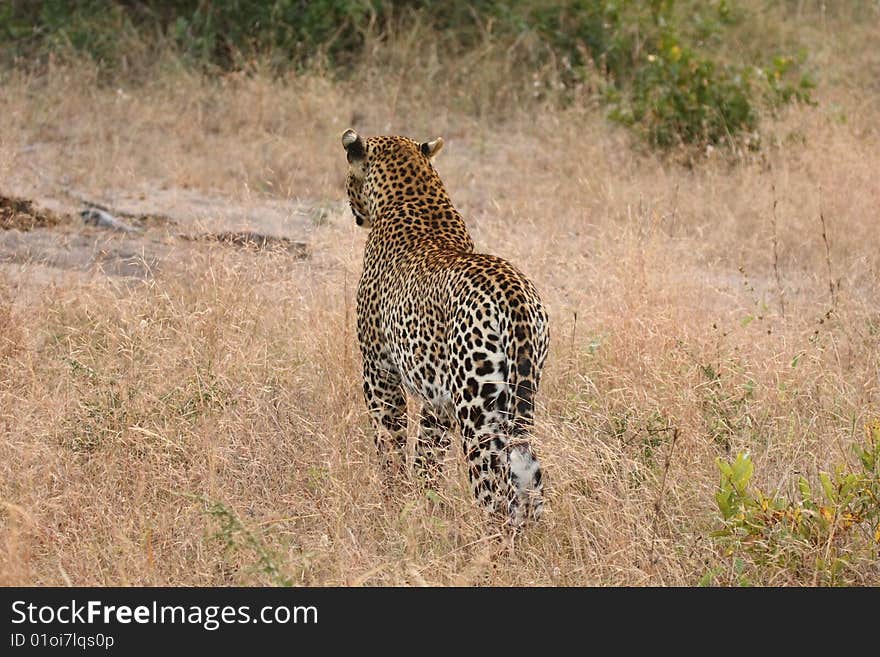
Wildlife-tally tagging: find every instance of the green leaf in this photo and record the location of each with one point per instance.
(867, 457)
(742, 472)
(828, 487)
(724, 467)
(805, 490)
(722, 499)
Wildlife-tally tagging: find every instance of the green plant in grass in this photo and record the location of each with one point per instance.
(819, 532)
(235, 535)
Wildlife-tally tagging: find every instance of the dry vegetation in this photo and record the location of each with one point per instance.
(203, 424)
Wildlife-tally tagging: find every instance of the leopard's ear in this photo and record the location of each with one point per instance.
(431, 148)
(353, 144)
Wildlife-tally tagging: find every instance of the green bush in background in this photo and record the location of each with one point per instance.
(658, 64)
(219, 33)
(662, 72)
(95, 28)
(291, 30)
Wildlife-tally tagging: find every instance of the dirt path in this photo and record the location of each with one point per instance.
(134, 234)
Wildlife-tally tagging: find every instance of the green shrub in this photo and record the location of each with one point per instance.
(819, 533)
(291, 31)
(662, 76)
(219, 34)
(97, 28)
(680, 97)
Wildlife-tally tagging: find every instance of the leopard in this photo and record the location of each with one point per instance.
(464, 332)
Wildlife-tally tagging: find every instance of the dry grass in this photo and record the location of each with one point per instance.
(140, 418)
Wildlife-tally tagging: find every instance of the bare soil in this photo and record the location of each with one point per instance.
(171, 224)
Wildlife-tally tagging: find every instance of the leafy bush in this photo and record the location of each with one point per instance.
(97, 28)
(218, 34)
(292, 30)
(661, 77)
(820, 532)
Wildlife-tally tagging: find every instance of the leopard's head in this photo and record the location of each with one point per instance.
(382, 169)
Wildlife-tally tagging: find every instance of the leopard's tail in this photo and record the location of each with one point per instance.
(526, 353)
